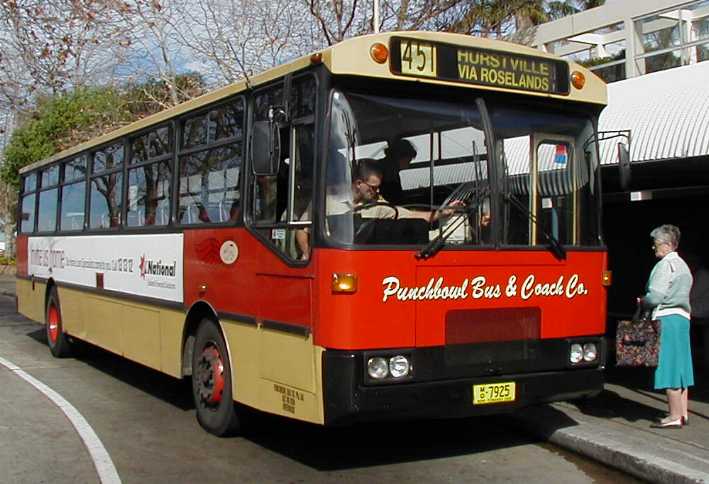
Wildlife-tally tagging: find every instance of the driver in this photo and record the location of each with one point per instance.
(366, 183)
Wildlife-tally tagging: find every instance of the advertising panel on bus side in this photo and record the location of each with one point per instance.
(147, 265)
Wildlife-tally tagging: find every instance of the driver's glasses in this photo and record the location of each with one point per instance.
(374, 188)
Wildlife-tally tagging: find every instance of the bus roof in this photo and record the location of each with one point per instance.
(352, 57)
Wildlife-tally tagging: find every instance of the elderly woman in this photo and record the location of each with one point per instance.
(667, 297)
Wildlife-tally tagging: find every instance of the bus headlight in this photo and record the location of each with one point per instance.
(575, 353)
(377, 368)
(590, 352)
(399, 366)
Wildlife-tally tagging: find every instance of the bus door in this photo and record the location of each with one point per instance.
(280, 215)
(554, 195)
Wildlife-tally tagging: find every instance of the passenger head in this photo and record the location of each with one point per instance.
(402, 152)
(665, 239)
(366, 180)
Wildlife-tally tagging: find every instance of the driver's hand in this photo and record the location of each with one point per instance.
(451, 208)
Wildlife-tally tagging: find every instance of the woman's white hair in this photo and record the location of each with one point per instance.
(668, 234)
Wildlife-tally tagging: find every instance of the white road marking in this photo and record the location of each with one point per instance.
(102, 461)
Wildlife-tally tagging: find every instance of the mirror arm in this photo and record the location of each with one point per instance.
(606, 135)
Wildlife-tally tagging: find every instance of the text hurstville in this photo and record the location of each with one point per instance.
(504, 70)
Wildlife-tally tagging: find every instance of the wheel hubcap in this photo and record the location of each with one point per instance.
(210, 375)
(53, 323)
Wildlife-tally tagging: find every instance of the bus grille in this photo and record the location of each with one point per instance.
(466, 326)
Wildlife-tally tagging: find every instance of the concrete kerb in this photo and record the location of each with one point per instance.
(640, 454)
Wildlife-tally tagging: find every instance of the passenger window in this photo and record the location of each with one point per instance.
(149, 195)
(48, 198)
(108, 158)
(194, 132)
(47, 219)
(75, 170)
(106, 197)
(209, 179)
(73, 203)
(209, 190)
(150, 183)
(106, 201)
(50, 176)
(27, 215)
(29, 183)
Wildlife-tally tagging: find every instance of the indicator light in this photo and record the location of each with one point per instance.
(578, 80)
(607, 278)
(379, 53)
(344, 283)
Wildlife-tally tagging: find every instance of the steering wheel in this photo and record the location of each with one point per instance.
(367, 222)
(359, 208)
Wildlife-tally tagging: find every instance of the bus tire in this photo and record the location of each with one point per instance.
(57, 340)
(211, 382)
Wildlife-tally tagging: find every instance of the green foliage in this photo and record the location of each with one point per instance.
(6, 261)
(153, 95)
(60, 122)
(65, 120)
(597, 61)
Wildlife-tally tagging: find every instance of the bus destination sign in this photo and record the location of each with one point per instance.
(413, 57)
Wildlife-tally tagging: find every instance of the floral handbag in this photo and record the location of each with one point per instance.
(637, 342)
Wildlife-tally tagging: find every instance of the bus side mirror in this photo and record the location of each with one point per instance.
(624, 174)
(265, 148)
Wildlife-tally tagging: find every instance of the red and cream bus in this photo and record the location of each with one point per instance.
(222, 239)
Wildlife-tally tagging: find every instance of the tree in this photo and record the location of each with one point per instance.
(232, 39)
(337, 18)
(50, 46)
(149, 28)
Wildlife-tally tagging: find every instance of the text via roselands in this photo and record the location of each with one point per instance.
(479, 287)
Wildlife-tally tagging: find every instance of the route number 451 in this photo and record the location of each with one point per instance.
(418, 58)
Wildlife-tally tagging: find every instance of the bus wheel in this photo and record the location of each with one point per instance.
(211, 382)
(58, 341)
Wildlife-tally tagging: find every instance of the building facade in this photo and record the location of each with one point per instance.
(628, 38)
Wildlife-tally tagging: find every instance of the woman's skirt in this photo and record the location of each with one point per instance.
(674, 368)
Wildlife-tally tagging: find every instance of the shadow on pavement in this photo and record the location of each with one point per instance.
(168, 389)
(373, 444)
(609, 404)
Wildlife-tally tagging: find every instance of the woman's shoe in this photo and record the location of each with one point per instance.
(668, 423)
(685, 421)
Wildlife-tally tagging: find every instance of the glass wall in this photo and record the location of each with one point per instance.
(660, 40)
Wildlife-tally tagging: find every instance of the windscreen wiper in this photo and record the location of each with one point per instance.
(462, 193)
(554, 245)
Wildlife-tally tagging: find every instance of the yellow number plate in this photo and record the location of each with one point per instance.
(494, 393)
(418, 58)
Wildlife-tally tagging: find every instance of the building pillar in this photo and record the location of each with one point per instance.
(633, 47)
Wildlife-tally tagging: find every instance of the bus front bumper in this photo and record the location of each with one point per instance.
(348, 400)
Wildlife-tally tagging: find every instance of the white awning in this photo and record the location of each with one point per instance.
(667, 113)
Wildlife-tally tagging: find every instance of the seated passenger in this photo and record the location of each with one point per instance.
(398, 157)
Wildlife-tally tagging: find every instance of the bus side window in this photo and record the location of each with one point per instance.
(209, 167)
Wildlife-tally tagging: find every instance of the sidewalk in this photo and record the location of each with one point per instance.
(614, 427)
